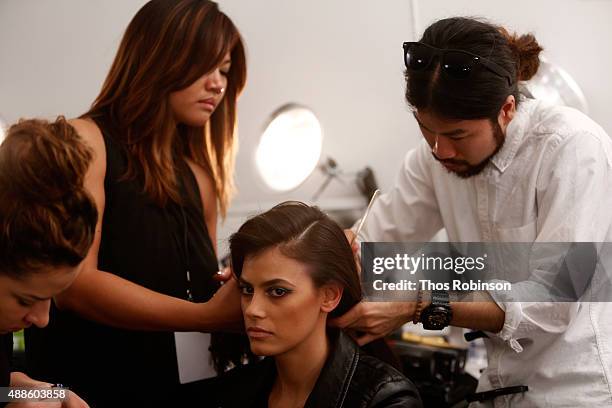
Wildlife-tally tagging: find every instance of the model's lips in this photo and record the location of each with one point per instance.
(255, 332)
(11, 330)
(209, 104)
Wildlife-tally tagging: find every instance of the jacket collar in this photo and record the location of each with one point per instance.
(333, 383)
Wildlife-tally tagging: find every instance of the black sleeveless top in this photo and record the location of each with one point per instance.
(145, 244)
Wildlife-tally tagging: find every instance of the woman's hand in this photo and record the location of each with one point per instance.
(21, 380)
(226, 305)
(72, 401)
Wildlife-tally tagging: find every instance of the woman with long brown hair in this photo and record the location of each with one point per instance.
(296, 269)
(162, 131)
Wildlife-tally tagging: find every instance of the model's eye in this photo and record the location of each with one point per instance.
(278, 292)
(246, 289)
(23, 302)
(224, 70)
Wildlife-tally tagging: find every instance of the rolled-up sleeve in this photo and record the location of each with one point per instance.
(574, 197)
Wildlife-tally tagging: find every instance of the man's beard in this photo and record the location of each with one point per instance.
(474, 169)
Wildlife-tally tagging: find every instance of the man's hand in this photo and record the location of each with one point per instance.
(368, 321)
(351, 237)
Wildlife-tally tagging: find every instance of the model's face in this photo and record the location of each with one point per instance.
(25, 302)
(282, 308)
(194, 105)
(463, 147)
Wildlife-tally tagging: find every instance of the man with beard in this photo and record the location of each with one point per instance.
(497, 166)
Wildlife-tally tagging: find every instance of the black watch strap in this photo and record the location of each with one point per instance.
(440, 298)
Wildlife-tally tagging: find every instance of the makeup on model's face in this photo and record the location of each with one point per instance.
(280, 304)
(25, 302)
(194, 104)
(463, 147)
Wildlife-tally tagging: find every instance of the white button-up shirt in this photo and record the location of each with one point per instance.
(550, 182)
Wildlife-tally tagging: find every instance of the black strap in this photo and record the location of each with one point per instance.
(440, 298)
(473, 335)
(498, 392)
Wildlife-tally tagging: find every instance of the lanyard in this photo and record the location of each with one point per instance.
(186, 247)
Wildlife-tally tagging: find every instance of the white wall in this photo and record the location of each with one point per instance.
(343, 58)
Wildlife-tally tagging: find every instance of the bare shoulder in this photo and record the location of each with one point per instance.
(89, 131)
(92, 136)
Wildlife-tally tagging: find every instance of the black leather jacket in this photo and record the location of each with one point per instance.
(349, 379)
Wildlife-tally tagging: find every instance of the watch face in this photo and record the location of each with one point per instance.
(436, 317)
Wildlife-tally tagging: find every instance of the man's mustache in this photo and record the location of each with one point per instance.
(452, 161)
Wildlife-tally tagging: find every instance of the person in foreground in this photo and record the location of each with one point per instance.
(162, 131)
(47, 223)
(497, 166)
(295, 268)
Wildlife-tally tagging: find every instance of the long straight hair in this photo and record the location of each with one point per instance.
(167, 46)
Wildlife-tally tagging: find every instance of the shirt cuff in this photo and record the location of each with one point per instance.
(513, 315)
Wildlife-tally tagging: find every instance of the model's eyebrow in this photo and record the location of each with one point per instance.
(270, 282)
(455, 132)
(33, 297)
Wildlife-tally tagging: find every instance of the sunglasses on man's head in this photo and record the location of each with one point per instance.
(457, 64)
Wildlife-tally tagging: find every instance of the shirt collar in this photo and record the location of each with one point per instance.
(515, 133)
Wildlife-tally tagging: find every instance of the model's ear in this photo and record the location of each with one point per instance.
(507, 111)
(331, 295)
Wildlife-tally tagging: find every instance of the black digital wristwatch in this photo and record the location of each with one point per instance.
(438, 314)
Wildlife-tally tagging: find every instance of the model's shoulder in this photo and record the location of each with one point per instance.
(89, 132)
(380, 385)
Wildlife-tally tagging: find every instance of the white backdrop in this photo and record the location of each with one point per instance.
(342, 58)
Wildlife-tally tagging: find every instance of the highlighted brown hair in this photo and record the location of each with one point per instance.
(307, 235)
(47, 218)
(166, 47)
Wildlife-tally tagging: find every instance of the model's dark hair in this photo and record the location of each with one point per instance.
(167, 46)
(482, 95)
(47, 218)
(307, 235)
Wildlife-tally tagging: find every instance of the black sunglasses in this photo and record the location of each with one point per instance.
(457, 64)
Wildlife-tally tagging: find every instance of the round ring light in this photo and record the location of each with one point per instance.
(290, 147)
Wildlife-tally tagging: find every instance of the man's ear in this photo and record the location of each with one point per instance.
(331, 293)
(507, 111)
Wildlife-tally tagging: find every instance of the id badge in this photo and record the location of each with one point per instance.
(192, 355)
